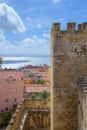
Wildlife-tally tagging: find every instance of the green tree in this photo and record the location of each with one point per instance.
(40, 81)
(44, 96)
(33, 96)
(0, 61)
(6, 116)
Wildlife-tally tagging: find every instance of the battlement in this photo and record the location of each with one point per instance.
(71, 27)
(69, 77)
(56, 27)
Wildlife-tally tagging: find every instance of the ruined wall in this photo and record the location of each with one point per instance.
(27, 106)
(37, 119)
(69, 62)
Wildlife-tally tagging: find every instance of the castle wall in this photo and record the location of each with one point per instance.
(82, 104)
(37, 120)
(32, 108)
(69, 62)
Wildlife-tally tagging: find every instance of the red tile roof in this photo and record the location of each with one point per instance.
(5, 74)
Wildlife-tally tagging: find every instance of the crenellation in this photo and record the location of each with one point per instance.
(80, 27)
(85, 26)
(71, 27)
(56, 27)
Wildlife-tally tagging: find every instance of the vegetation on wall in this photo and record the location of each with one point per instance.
(0, 61)
(44, 95)
(40, 81)
(6, 116)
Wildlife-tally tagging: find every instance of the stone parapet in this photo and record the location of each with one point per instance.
(24, 107)
(71, 27)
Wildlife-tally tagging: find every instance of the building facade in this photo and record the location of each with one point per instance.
(11, 89)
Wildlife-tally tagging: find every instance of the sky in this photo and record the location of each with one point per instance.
(25, 25)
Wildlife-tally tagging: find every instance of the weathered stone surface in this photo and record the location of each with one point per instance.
(69, 62)
(36, 110)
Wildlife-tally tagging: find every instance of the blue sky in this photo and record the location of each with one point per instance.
(25, 25)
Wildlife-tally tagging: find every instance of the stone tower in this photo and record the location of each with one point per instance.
(69, 64)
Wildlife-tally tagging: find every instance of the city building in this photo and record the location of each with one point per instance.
(36, 89)
(11, 89)
(48, 77)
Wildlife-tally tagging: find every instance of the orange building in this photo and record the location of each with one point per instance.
(48, 80)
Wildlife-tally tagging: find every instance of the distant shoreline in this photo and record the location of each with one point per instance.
(21, 61)
(13, 61)
(24, 55)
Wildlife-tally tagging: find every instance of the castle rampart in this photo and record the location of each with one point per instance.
(28, 110)
(71, 27)
(69, 62)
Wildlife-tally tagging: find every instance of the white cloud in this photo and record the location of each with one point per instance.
(46, 35)
(5, 45)
(2, 37)
(54, 1)
(33, 42)
(9, 19)
(35, 46)
(39, 25)
(28, 46)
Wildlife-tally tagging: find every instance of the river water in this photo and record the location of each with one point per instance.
(20, 61)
